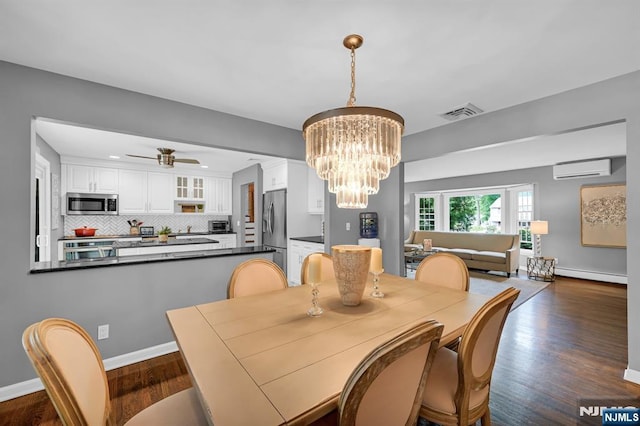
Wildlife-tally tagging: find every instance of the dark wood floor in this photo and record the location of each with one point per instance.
(566, 343)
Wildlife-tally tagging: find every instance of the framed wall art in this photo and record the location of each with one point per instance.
(603, 215)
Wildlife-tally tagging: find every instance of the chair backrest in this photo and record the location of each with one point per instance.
(444, 269)
(71, 369)
(326, 268)
(387, 385)
(256, 276)
(478, 349)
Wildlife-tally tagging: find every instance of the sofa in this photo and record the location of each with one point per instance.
(488, 252)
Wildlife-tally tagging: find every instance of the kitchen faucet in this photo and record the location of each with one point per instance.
(188, 229)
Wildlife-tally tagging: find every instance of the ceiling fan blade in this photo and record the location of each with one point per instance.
(141, 156)
(186, 160)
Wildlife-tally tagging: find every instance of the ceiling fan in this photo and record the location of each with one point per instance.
(166, 158)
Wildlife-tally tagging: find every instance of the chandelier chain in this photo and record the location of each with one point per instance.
(352, 95)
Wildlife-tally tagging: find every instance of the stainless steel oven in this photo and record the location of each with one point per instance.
(93, 204)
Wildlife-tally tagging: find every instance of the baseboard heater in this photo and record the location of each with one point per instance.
(591, 275)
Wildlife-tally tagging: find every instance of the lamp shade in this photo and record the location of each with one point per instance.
(539, 227)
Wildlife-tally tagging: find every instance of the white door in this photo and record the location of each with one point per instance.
(43, 210)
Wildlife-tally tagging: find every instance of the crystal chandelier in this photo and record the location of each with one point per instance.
(353, 148)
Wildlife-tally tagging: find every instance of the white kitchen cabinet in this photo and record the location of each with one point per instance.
(159, 199)
(145, 192)
(189, 187)
(226, 240)
(132, 192)
(219, 196)
(100, 180)
(315, 196)
(274, 175)
(297, 251)
(164, 248)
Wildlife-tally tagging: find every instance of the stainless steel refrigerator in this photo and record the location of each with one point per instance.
(274, 225)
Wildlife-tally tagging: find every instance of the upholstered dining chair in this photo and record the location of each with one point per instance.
(457, 389)
(326, 268)
(255, 276)
(444, 269)
(386, 386)
(71, 369)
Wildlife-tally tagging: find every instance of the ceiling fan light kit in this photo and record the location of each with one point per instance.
(166, 159)
(353, 148)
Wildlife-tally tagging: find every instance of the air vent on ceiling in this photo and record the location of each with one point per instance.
(463, 111)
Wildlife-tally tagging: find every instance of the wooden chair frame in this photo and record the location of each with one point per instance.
(304, 270)
(376, 361)
(467, 380)
(59, 390)
(443, 255)
(231, 288)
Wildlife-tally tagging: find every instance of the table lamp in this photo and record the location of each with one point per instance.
(537, 228)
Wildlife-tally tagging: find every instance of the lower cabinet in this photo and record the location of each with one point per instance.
(298, 250)
(169, 248)
(224, 240)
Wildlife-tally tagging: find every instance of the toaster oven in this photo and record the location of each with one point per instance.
(219, 226)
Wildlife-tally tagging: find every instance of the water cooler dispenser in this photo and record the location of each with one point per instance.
(369, 229)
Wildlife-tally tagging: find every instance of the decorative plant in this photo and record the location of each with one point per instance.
(165, 230)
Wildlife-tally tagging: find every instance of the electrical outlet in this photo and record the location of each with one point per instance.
(103, 331)
(348, 226)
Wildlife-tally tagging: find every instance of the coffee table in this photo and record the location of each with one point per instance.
(413, 258)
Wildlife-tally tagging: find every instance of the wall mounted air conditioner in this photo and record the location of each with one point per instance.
(582, 170)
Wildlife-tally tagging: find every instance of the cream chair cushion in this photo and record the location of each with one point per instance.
(386, 386)
(444, 269)
(256, 276)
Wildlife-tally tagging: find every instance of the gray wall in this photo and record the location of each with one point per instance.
(558, 202)
(388, 204)
(54, 162)
(132, 299)
(603, 102)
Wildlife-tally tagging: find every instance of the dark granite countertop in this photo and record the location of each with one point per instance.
(55, 266)
(123, 236)
(152, 242)
(315, 239)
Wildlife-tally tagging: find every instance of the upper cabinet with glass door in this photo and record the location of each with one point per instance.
(189, 187)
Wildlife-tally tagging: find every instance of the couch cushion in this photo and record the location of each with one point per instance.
(462, 253)
(489, 256)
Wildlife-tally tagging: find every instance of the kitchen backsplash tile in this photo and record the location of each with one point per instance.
(117, 225)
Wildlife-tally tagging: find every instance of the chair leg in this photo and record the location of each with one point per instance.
(485, 420)
(508, 274)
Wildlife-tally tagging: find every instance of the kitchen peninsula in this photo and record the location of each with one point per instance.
(55, 266)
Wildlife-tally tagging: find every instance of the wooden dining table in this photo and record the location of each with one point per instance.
(262, 360)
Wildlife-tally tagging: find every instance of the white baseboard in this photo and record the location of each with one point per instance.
(632, 376)
(590, 275)
(34, 385)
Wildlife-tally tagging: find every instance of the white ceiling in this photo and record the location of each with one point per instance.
(281, 61)
(85, 142)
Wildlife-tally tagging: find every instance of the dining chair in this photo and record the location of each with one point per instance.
(457, 389)
(70, 366)
(386, 387)
(444, 269)
(326, 268)
(255, 276)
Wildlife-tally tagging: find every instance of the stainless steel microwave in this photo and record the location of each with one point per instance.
(94, 204)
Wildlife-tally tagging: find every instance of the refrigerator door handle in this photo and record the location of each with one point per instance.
(271, 218)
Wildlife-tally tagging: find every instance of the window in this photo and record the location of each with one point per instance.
(525, 215)
(507, 209)
(481, 212)
(426, 218)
